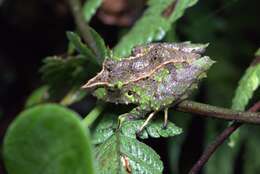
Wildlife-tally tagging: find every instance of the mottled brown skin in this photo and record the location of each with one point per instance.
(143, 62)
(154, 76)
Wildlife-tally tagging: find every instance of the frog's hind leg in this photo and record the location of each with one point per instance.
(145, 123)
(165, 122)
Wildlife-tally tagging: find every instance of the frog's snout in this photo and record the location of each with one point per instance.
(99, 80)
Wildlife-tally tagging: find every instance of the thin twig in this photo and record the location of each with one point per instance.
(218, 141)
(83, 27)
(218, 112)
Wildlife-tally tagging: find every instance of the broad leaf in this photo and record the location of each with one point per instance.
(89, 8)
(48, 139)
(121, 154)
(154, 129)
(152, 26)
(107, 126)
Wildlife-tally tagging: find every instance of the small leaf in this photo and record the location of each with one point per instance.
(121, 154)
(48, 139)
(154, 129)
(100, 43)
(80, 46)
(89, 8)
(38, 96)
(247, 85)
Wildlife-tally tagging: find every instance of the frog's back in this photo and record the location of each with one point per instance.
(143, 62)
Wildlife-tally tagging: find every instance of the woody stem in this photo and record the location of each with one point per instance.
(218, 112)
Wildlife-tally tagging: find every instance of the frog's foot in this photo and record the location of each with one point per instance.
(165, 123)
(139, 131)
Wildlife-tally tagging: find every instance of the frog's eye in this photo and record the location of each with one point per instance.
(129, 93)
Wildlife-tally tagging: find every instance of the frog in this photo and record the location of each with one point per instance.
(154, 77)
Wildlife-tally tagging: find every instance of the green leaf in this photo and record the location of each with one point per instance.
(180, 9)
(64, 75)
(48, 139)
(154, 129)
(90, 7)
(85, 51)
(101, 46)
(105, 129)
(247, 85)
(121, 154)
(80, 46)
(152, 26)
(38, 96)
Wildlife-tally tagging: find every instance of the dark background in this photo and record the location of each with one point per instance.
(33, 29)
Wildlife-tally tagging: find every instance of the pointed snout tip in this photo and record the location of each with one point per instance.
(85, 86)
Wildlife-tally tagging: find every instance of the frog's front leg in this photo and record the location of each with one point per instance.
(149, 119)
(139, 131)
(165, 122)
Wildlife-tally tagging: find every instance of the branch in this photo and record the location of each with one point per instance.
(218, 112)
(83, 27)
(218, 141)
